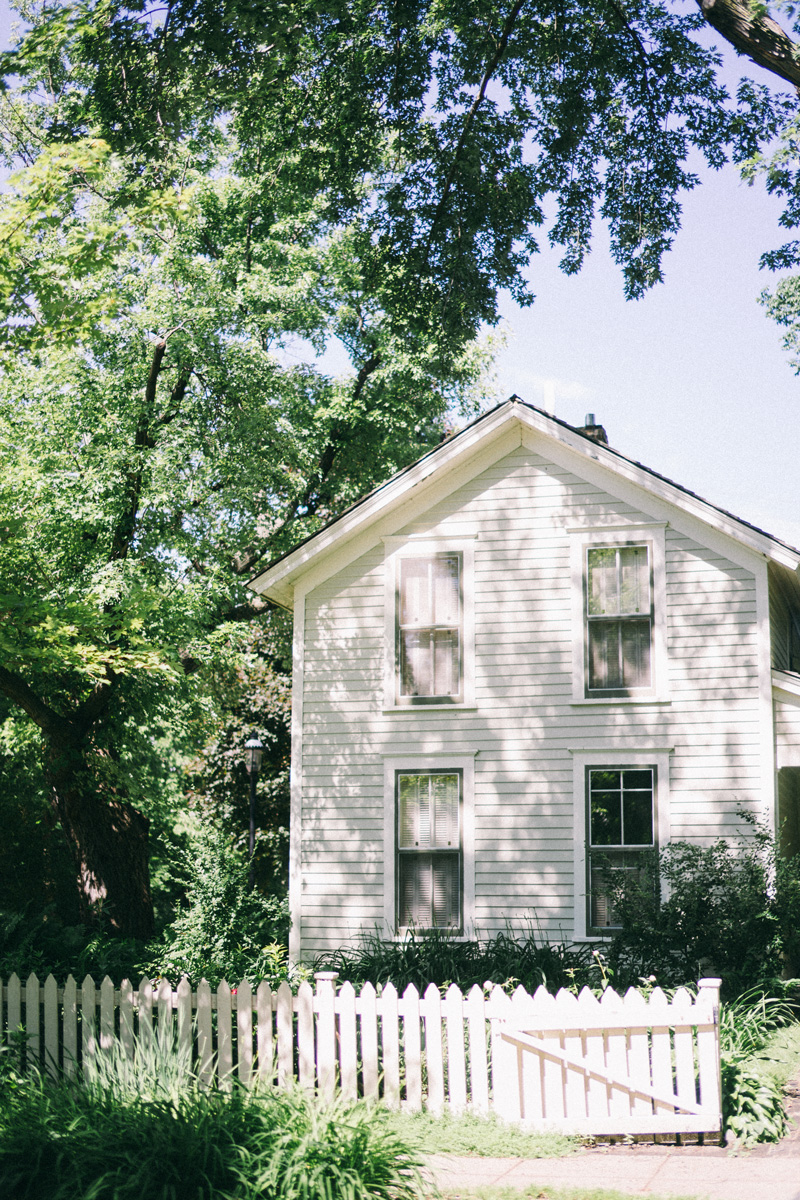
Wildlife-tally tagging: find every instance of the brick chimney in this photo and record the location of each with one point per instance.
(592, 430)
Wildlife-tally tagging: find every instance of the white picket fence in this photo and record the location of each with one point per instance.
(620, 1064)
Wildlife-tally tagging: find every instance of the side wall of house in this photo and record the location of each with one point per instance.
(526, 725)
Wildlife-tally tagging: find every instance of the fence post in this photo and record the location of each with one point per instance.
(326, 1031)
(708, 1051)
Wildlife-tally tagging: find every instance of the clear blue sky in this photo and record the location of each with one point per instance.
(692, 380)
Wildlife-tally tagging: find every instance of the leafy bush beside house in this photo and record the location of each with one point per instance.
(730, 909)
(224, 930)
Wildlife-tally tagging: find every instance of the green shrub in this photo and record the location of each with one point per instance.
(752, 1105)
(149, 1130)
(224, 930)
(730, 909)
(438, 957)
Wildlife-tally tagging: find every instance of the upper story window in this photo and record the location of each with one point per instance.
(429, 657)
(619, 619)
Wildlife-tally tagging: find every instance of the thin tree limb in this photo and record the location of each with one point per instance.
(491, 67)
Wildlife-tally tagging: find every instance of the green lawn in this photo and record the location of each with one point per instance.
(780, 1058)
(485, 1136)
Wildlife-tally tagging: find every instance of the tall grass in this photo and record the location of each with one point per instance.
(146, 1129)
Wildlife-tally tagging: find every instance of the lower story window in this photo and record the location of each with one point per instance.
(621, 830)
(428, 841)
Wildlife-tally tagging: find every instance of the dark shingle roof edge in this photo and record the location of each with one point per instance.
(514, 399)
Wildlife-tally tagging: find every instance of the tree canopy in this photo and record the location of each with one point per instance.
(208, 197)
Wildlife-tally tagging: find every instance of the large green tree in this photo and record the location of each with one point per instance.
(203, 188)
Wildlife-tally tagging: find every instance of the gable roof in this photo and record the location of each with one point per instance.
(278, 579)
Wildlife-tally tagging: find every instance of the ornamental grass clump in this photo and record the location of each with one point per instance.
(438, 956)
(149, 1129)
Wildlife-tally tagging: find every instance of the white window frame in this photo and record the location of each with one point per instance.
(397, 549)
(421, 764)
(653, 536)
(622, 758)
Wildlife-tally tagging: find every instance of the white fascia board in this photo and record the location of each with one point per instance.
(662, 501)
(392, 507)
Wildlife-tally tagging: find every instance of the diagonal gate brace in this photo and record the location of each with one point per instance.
(536, 1045)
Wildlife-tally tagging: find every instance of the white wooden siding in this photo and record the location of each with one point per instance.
(787, 730)
(524, 722)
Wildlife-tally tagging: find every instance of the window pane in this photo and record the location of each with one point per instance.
(637, 811)
(603, 595)
(445, 662)
(634, 580)
(638, 818)
(414, 810)
(635, 653)
(606, 819)
(416, 667)
(604, 655)
(600, 911)
(446, 890)
(637, 779)
(445, 807)
(445, 590)
(414, 891)
(415, 591)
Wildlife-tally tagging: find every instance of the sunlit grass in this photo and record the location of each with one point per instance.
(471, 1134)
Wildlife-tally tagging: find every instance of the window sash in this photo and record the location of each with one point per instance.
(430, 622)
(428, 842)
(603, 863)
(619, 618)
(429, 891)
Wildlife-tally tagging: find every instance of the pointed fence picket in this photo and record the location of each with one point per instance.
(619, 1064)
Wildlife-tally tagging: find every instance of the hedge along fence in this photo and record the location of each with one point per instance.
(621, 1064)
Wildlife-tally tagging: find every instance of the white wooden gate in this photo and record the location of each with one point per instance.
(618, 1065)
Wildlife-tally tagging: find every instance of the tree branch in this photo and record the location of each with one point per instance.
(491, 67)
(17, 690)
(248, 558)
(757, 36)
(96, 703)
(247, 611)
(159, 351)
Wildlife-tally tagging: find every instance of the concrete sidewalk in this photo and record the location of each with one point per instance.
(635, 1171)
(768, 1172)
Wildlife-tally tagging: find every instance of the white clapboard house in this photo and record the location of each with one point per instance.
(523, 657)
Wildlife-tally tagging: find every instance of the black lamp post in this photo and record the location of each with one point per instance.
(253, 763)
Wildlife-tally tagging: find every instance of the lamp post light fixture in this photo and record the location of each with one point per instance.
(254, 750)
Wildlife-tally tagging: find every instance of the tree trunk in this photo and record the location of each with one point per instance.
(108, 841)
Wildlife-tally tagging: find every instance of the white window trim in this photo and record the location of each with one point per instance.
(398, 548)
(431, 761)
(652, 535)
(655, 756)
